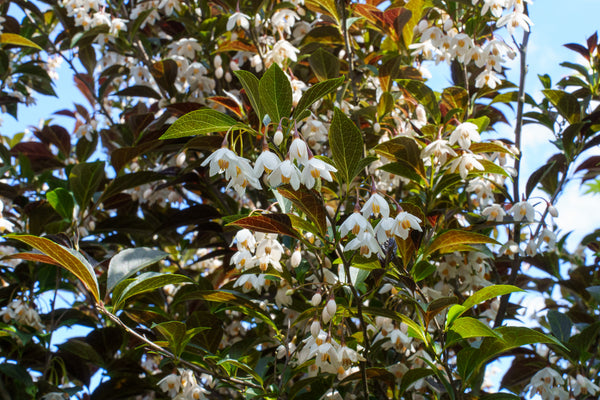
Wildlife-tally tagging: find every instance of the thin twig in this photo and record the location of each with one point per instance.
(168, 354)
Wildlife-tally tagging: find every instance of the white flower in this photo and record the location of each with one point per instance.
(404, 223)
(220, 160)
(250, 281)
(240, 176)
(583, 385)
(355, 223)
(299, 151)
(384, 230)
(285, 173)
(267, 161)
(440, 149)
(186, 47)
(464, 134)
(239, 20)
(495, 212)
(5, 225)
(543, 381)
(376, 205)
(494, 6)
(170, 384)
(515, 20)
(315, 169)
(366, 242)
(282, 50)
(548, 237)
(487, 78)
(243, 260)
(466, 163)
(521, 210)
(283, 20)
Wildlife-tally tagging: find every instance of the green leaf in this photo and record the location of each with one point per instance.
(177, 334)
(486, 147)
(84, 180)
(315, 93)
(16, 372)
(470, 360)
(346, 143)
(250, 84)
(17, 40)
(412, 376)
(403, 169)
(146, 282)
(416, 8)
(324, 64)
(275, 93)
(310, 203)
(128, 262)
(560, 325)
(595, 292)
(489, 292)
(67, 258)
(566, 104)
(422, 270)
(468, 327)
(481, 122)
(199, 122)
(424, 95)
(242, 366)
(455, 240)
(62, 201)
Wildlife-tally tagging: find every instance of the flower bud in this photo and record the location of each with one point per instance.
(315, 328)
(325, 316)
(278, 137)
(296, 258)
(376, 127)
(316, 299)
(331, 307)
(553, 211)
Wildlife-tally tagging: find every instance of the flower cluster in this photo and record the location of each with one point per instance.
(20, 312)
(182, 385)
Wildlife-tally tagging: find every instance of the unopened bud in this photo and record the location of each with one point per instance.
(228, 76)
(331, 307)
(219, 73)
(325, 316)
(278, 137)
(553, 211)
(316, 299)
(376, 127)
(315, 328)
(289, 292)
(296, 258)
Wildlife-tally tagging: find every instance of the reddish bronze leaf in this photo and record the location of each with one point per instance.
(268, 223)
(228, 103)
(310, 203)
(32, 257)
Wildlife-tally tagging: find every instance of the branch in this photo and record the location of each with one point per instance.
(168, 354)
(516, 264)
